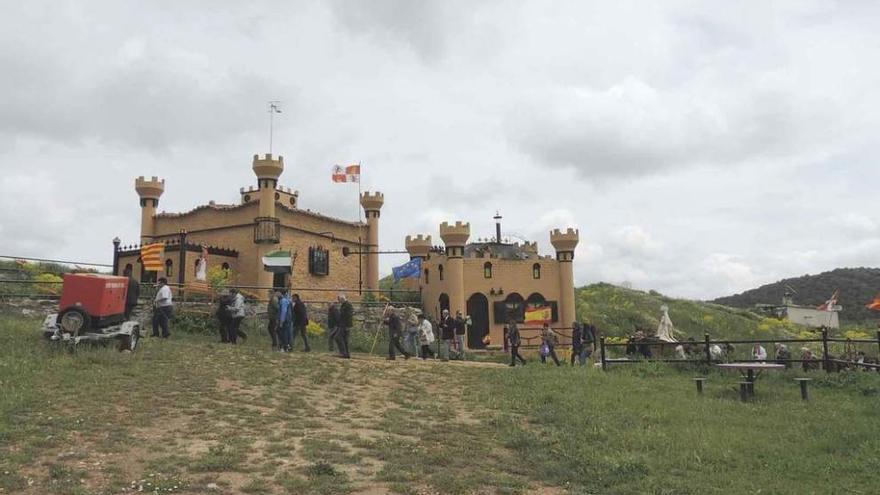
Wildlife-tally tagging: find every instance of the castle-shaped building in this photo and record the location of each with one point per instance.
(266, 220)
(492, 280)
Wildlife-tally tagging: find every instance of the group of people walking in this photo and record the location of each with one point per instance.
(418, 335)
(288, 318)
(583, 339)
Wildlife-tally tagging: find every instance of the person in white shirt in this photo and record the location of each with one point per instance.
(759, 353)
(162, 307)
(426, 337)
(236, 313)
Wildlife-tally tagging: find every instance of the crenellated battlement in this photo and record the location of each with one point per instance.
(564, 241)
(151, 188)
(531, 247)
(419, 245)
(267, 167)
(455, 235)
(372, 201)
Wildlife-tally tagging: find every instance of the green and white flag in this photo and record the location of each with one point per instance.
(278, 262)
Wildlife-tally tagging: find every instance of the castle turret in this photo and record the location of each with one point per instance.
(455, 237)
(372, 204)
(565, 243)
(149, 190)
(267, 170)
(418, 246)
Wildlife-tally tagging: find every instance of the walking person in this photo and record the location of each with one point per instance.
(395, 330)
(132, 294)
(513, 342)
(411, 342)
(447, 334)
(460, 326)
(577, 344)
(236, 315)
(548, 343)
(332, 325)
(426, 337)
(162, 308)
(285, 321)
(223, 318)
(588, 338)
(300, 322)
(272, 311)
(346, 322)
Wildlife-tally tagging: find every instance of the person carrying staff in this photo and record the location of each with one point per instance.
(395, 330)
(514, 341)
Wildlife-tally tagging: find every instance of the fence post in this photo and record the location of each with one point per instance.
(602, 351)
(825, 361)
(708, 354)
(878, 346)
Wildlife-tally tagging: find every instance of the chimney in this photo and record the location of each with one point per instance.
(497, 218)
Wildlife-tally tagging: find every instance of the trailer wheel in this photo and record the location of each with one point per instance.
(130, 342)
(74, 321)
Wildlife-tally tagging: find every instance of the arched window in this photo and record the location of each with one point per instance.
(536, 271)
(225, 266)
(427, 276)
(440, 271)
(487, 270)
(169, 267)
(196, 267)
(128, 270)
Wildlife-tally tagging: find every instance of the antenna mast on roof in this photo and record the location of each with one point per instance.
(274, 107)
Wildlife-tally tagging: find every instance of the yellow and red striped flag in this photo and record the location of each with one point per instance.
(151, 257)
(875, 304)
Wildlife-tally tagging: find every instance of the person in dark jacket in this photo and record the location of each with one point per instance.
(131, 295)
(300, 322)
(395, 331)
(577, 344)
(588, 337)
(514, 341)
(272, 311)
(224, 302)
(447, 334)
(346, 321)
(332, 325)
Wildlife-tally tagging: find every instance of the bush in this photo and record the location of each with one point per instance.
(194, 323)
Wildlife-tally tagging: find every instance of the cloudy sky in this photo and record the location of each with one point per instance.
(700, 148)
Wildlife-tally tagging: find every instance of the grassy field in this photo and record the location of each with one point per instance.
(189, 415)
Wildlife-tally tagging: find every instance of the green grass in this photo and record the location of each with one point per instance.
(183, 414)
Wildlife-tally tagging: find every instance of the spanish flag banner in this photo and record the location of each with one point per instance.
(875, 304)
(539, 315)
(151, 257)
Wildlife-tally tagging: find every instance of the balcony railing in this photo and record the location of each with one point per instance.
(267, 230)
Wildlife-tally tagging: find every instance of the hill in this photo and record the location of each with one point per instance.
(857, 288)
(618, 311)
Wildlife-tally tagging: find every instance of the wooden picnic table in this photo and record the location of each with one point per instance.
(747, 369)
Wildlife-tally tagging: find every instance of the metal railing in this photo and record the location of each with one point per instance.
(706, 357)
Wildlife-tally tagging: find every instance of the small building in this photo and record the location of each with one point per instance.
(267, 219)
(493, 280)
(802, 315)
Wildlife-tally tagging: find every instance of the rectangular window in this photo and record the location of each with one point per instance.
(319, 261)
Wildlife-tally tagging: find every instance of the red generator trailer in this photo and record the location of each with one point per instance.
(92, 308)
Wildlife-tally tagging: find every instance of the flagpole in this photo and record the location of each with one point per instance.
(360, 175)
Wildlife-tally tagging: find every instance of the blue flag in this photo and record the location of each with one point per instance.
(410, 269)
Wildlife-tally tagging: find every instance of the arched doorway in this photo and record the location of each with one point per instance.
(478, 310)
(444, 302)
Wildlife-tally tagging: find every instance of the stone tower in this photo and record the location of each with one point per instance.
(149, 190)
(372, 204)
(564, 243)
(418, 246)
(267, 227)
(267, 170)
(455, 237)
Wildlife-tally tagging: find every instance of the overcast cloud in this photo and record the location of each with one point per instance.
(700, 148)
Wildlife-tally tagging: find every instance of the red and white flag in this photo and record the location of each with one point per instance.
(351, 173)
(829, 304)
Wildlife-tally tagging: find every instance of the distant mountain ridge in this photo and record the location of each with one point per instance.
(857, 286)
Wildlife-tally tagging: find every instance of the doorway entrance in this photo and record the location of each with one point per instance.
(279, 280)
(478, 310)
